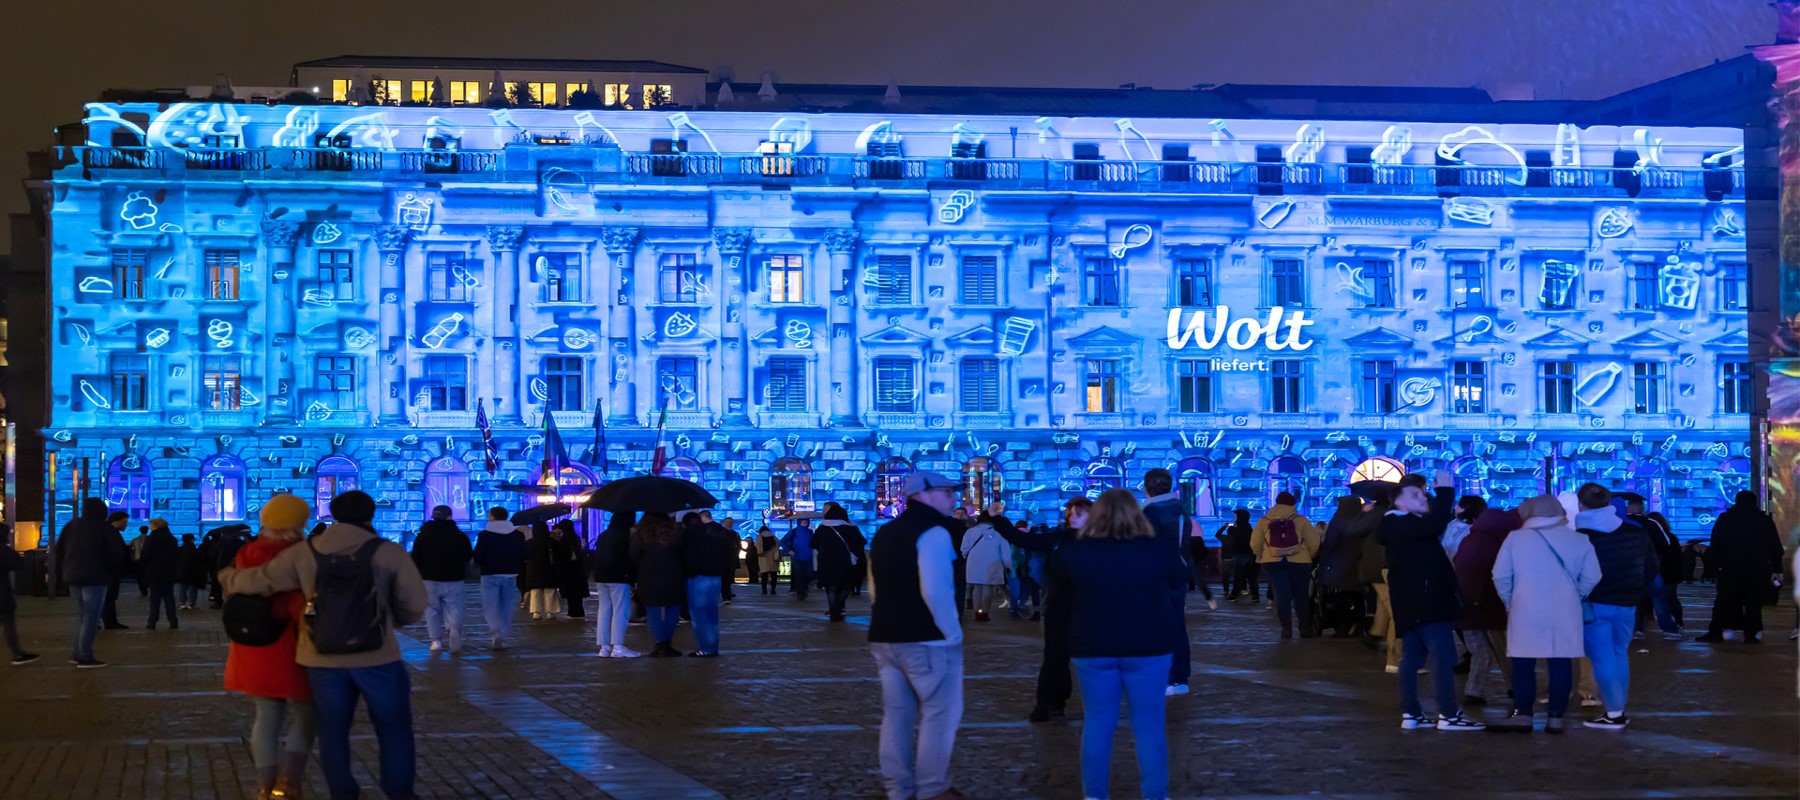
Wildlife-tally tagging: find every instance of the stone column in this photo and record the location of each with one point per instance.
(620, 243)
(840, 282)
(502, 383)
(733, 245)
(283, 292)
(390, 240)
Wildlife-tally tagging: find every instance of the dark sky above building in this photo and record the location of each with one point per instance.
(55, 56)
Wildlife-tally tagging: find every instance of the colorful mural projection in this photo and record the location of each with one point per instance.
(1781, 459)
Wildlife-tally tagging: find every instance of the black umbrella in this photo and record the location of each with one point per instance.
(543, 513)
(1372, 490)
(650, 493)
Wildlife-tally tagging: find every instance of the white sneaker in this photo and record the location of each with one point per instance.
(1459, 723)
(1590, 701)
(621, 651)
(605, 651)
(436, 646)
(1393, 670)
(1413, 722)
(1175, 689)
(1212, 605)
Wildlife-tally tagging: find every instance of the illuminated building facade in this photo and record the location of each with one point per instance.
(250, 299)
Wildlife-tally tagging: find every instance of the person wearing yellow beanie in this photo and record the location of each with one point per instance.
(285, 512)
(270, 675)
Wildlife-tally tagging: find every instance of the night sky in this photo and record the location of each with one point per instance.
(55, 56)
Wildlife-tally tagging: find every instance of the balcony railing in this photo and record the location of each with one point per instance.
(226, 159)
(121, 158)
(332, 159)
(447, 162)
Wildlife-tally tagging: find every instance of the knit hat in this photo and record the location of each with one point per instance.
(284, 511)
(1542, 507)
(355, 508)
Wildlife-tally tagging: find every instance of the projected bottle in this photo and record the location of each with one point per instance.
(435, 337)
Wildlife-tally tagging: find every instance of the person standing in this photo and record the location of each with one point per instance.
(543, 572)
(270, 675)
(1117, 578)
(656, 557)
(1541, 572)
(158, 567)
(500, 555)
(798, 545)
(571, 565)
(614, 573)
(983, 552)
(705, 556)
(1484, 618)
(1053, 683)
(344, 661)
(839, 545)
(1468, 508)
(89, 554)
(109, 612)
(1628, 565)
(768, 559)
(916, 640)
(1162, 507)
(1422, 591)
(1285, 543)
(1234, 548)
(734, 549)
(1341, 589)
(442, 552)
(10, 563)
(193, 573)
(1665, 605)
(1746, 556)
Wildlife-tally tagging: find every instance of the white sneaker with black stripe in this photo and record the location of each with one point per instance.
(1411, 722)
(1459, 722)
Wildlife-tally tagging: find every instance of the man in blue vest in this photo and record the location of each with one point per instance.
(917, 641)
(1162, 506)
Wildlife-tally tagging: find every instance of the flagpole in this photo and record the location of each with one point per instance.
(600, 433)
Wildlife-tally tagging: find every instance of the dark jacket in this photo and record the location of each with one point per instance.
(1171, 527)
(1341, 549)
(1235, 540)
(193, 567)
(90, 552)
(1628, 562)
(1118, 597)
(574, 577)
(1668, 548)
(1421, 583)
(840, 548)
(1373, 558)
(500, 552)
(161, 562)
(612, 551)
(706, 551)
(900, 611)
(661, 579)
(1745, 545)
(10, 564)
(442, 551)
(543, 561)
(1474, 565)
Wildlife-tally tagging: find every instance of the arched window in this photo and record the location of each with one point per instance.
(1471, 475)
(221, 489)
(982, 482)
(1647, 479)
(682, 468)
(1100, 475)
(889, 475)
(1288, 474)
(574, 481)
(1378, 468)
(447, 484)
(333, 476)
(1562, 477)
(790, 487)
(1194, 479)
(128, 486)
(1734, 477)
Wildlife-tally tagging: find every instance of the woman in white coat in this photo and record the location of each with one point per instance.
(1543, 572)
(986, 553)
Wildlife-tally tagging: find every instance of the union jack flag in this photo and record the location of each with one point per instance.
(487, 435)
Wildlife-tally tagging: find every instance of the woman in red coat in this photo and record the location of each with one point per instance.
(1484, 617)
(269, 674)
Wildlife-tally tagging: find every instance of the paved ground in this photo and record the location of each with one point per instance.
(792, 710)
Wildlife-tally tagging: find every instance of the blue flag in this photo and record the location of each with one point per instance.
(487, 435)
(556, 456)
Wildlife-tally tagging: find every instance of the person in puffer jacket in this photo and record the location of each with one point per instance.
(1628, 565)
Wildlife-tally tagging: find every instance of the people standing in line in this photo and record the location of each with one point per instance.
(158, 567)
(656, 557)
(442, 552)
(798, 546)
(768, 560)
(1117, 578)
(543, 572)
(571, 568)
(348, 653)
(614, 573)
(109, 612)
(1341, 590)
(840, 547)
(271, 675)
(1542, 572)
(1483, 624)
(1234, 548)
(1422, 590)
(1162, 507)
(1665, 605)
(10, 564)
(704, 557)
(1285, 543)
(500, 556)
(1628, 565)
(916, 640)
(193, 573)
(1468, 509)
(89, 553)
(984, 555)
(1746, 557)
(1053, 684)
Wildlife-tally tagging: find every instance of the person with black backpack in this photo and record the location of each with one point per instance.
(1285, 543)
(261, 663)
(359, 587)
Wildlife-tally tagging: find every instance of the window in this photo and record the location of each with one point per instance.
(790, 487)
(465, 92)
(893, 280)
(1101, 281)
(1194, 479)
(1085, 151)
(337, 274)
(220, 379)
(1287, 284)
(787, 384)
(1649, 387)
(128, 272)
(618, 94)
(1284, 386)
(130, 382)
(562, 277)
(1194, 281)
(334, 381)
(128, 486)
(1735, 386)
(569, 90)
(678, 382)
(562, 377)
(1468, 283)
(895, 387)
(545, 93)
(1378, 387)
(1643, 285)
(1194, 385)
(221, 489)
(1378, 282)
(980, 385)
(1099, 475)
(421, 92)
(447, 383)
(1471, 475)
(340, 91)
(982, 482)
(221, 274)
(391, 91)
(1558, 287)
(1288, 474)
(1647, 478)
(1468, 387)
(445, 276)
(1556, 382)
(333, 476)
(980, 280)
(1734, 286)
(658, 94)
(1379, 468)
(678, 277)
(447, 484)
(787, 279)
(1103, 386)
(890, 478)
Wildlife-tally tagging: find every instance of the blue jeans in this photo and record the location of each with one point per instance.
(1140, 681)
(1608, 641)
(1524, 684)
(703, 609)
(443, 613)
(499, 599)
(386, 690)
(662, 622)
(1291, 584)
(88, 600)
(921, 691)
(1438, 639)
(1665, 602)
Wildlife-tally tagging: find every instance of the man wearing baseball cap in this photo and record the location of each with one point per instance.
(917, 641)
